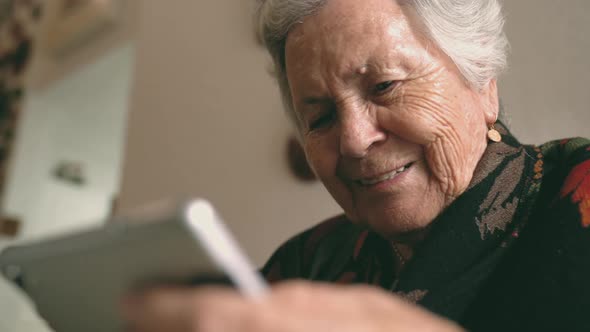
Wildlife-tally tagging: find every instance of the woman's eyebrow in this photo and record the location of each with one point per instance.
(387, 69)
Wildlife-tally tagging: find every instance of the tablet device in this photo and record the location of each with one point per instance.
(76, 281)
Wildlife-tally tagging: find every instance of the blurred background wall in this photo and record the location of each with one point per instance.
(74, 114)
(206, 120)
(546, 89)
(203, 117)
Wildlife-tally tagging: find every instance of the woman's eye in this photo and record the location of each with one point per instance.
(384, 87)
(322, 121)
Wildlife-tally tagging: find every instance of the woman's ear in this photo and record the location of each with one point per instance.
(490, 94)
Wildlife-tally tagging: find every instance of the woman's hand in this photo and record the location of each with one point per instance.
(289, 307)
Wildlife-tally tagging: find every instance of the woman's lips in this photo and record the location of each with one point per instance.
(367, 182)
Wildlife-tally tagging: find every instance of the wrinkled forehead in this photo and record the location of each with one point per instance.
(346, 35)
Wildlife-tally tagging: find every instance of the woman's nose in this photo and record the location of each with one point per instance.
(359, 131)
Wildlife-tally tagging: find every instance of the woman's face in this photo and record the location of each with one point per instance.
(387, 122)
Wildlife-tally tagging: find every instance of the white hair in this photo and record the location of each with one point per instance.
(470, 32)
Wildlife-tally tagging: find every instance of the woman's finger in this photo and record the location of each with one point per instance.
(178, 309)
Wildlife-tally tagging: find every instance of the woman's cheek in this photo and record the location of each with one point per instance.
(320, 156)
(446, 163)
(416, 115)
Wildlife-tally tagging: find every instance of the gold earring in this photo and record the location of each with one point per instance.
(494, 135)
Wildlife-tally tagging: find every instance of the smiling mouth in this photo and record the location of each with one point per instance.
(385, 177)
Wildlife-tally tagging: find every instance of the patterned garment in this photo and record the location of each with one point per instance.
(511, 253)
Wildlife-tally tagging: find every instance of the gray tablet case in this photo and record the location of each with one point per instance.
(76, 281)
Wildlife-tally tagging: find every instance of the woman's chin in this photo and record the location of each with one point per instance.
(400, 222)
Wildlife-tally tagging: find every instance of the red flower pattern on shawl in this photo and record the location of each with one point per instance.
(578, 185)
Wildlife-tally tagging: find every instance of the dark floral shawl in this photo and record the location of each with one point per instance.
(511, 253)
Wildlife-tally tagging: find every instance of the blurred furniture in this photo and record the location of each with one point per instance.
(9, 227)
(18, 21)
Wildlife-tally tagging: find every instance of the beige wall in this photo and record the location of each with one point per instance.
(206, 118)
(547, 88)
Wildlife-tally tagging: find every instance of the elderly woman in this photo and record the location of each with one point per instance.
(449, 221)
